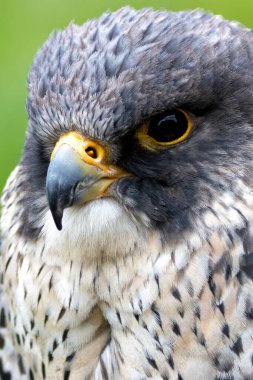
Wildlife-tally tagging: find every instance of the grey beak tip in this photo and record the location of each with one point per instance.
(56, 210)
(58, 223)
(57, 217)
(59, 226)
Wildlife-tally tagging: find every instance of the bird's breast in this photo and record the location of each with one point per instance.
(103, 296)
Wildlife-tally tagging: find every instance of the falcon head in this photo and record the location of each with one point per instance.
(147, 112)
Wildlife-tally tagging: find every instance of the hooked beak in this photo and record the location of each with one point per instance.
(78, 172)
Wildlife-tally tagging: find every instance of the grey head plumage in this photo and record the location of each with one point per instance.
(103, 79)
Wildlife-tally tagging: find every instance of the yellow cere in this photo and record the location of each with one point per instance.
(89, 150)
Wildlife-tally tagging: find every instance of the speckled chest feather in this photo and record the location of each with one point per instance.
(157, 311)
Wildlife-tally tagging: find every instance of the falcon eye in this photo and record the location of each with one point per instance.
(169, 127)
(165, 129)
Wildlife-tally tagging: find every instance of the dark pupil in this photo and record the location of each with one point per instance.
(168, 126)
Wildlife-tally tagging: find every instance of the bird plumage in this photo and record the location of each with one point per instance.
(154, 281)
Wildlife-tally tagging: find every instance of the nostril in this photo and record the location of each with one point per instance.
(91, 152)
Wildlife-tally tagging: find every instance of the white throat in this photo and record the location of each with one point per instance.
(102, 227)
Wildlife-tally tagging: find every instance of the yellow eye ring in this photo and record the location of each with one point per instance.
(164, 130)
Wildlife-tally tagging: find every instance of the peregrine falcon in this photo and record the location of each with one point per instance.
(126, 233)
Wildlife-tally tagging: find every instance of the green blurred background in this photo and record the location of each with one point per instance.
(25, 25)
